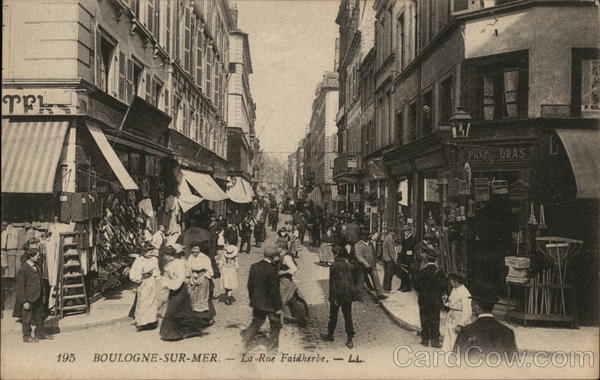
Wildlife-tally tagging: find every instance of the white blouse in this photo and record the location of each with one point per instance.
(143, 265)
(459, 301)
(174, 274)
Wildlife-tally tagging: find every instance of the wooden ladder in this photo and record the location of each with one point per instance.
(72, 296)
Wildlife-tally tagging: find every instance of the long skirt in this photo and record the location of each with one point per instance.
(326, 253)
(146, 302)
(180, 320)
(452, 319)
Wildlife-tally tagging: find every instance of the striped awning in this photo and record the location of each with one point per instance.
(204, 184)
(111, 157)
(315, 195)
(30, 154)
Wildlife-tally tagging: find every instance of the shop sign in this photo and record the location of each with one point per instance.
(352, 163)
(430, 161)
(340, 198)
(100, 111)
(504, 154)
(38, 102)
(401, 168)
(354, 197)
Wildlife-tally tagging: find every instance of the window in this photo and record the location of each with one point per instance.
(156, 92)
(428, 112)
(585, 82)
(401, 51)
(186, 120)
(503, 89)
(187, 41)
(104, 55)
(446, 100)
(167, 42)
(412, 122)
(415, 28)
(152, 17)
(399, 126)
(209, 60)
(138, 69)
(199, 52)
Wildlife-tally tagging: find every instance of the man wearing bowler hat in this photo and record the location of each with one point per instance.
(430, 285)
(265, 299)
(486, 334)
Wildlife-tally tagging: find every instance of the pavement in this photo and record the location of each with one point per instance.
(403, 309)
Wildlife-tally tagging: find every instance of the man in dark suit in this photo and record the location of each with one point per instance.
(342, 293)
(486, 334)
(231, 233)
(352, 232)
(430, 285)
(29, 286)
(265, 300)
(406, 258)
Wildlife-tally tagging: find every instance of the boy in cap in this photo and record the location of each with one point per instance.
(265, 299)
(430, 285)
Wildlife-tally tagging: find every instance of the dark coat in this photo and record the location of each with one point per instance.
(263, 287)
(352, 233)
(231, 235)
(487, 334)
(408, 244)
(29, 287)
(431, 284)
(341, 285)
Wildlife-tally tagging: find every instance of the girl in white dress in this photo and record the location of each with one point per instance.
(460, 311)
(228, 265)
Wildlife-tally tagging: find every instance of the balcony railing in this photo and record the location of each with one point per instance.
(347, 164)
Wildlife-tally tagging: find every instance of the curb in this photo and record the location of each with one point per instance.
(71, 328)
(398, 321)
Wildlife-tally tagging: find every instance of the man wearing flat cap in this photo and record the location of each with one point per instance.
(486, 334)
(430, 285)
(265, 300)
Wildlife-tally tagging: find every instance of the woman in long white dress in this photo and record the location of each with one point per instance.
(144, 272)
(460, 312)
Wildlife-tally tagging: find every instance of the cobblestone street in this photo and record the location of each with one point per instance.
(111, 350)
(376, 335)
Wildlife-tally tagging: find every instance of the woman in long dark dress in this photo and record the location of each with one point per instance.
(180, 320)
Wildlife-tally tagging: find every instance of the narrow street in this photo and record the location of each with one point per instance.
(376, 338)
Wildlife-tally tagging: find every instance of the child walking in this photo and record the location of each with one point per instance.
(228, 265)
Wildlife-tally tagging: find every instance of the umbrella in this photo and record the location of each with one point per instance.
(191, 235)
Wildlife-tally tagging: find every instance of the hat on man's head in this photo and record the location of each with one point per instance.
(484, 292)
(407, 227)
(271, 250)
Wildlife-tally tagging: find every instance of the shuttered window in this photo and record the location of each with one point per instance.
(208, 71)
(122, 94)
(187, 41)
(199, 52)
(167, 42)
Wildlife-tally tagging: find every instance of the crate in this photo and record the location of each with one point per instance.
(517, 262)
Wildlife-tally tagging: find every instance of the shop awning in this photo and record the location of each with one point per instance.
(248, 188)
(582, 148)
(30, 154)
(186, 198)
(237, 191)
(204, 185)
(315, 195)
(111, 157)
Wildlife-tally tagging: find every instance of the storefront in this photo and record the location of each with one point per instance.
(490, 196)
(88, 172)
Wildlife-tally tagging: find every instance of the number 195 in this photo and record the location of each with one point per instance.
(65, 358)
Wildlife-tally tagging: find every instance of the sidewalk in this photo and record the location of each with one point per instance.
(404, 311)
(105, 311)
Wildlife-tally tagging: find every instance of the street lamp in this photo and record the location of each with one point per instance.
(460, 122)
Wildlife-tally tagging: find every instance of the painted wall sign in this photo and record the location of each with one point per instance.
(37, 103)
(498, 154)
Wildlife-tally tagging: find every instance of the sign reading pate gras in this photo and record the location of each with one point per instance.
(504, 154)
